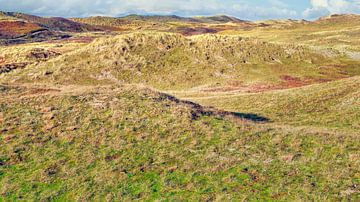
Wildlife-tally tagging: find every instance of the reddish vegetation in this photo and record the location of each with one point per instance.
(292, 82)
(16, 28)
(287, 83)
(188, 31)
(57, 23)
(2, 60)
(82, 39)
(35, 91)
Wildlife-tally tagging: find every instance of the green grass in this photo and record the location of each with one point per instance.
(329, 105)
(128, 143)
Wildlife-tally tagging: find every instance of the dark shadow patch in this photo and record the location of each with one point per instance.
(199, 111)
(252, 117)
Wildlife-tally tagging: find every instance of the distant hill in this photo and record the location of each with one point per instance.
(219, 19)
(158, 18)
(169, 23)
(51, 23)
(279, 24)
(339, 18)
(13, 29)
(18, 28)
(99, 20)
(175, 18)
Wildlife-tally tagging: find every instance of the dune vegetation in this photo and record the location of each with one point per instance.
(327, 105)
(168, 108)
(126, 143)
(173, 62)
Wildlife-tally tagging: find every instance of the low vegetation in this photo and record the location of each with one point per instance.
(327, 105)
(329, 34)
(138, 108)
(172, 61)
(126, 143)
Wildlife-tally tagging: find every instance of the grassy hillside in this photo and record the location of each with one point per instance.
(20, 56)
(333, 33)
(171, 61)
(172, 23)
(130, 143)
(52, 23)
(329, 105)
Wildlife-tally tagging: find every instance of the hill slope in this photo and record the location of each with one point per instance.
(129, 143)
(219, 19)
(185, 25)
(18, 28)
(171, 61)
(13, 29)
(51, 23)
(331, 105)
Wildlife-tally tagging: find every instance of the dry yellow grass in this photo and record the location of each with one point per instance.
(172, 61)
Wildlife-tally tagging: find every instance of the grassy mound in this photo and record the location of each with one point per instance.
(129, 143)
(172, 61)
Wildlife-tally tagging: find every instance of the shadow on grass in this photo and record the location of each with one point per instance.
(250, 117)
(198, 110)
